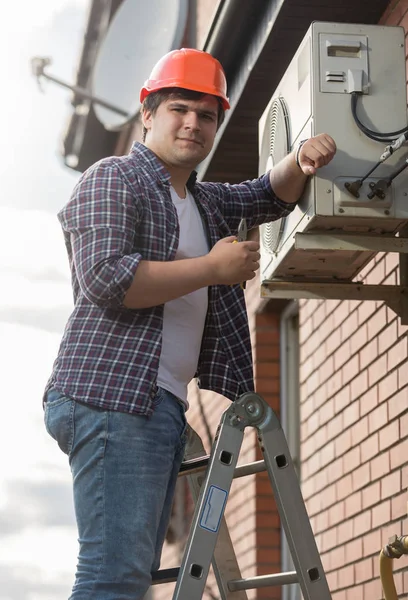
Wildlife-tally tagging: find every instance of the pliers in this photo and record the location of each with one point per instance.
(242, 231)
(242, 237)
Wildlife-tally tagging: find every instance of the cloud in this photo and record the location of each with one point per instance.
(31, 244)
(27, 583)
(52, 320)
(43, 506)
(37, 525)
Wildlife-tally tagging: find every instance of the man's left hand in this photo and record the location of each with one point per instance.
(316, 152)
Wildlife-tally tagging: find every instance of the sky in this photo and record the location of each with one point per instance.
(38, 546)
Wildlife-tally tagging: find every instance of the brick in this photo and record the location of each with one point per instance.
(342, 398)
(399, 506)
(333, 342)
(335, 383)
(372, 590)
(358, 339)
(372, 541)
(359, 384)
(387, 338)
(326, 412)
(331, 579)
(340, 595)
(399, 454)
(402, 376)
(397, 354)
(350, 370)
(362, 523)
(266, 352)
(389, 435)
(271, 386)
(267, 369)
(353, 504)
(343, 443)
(388, 386)
(353, 550)
(336, 514)
(351, 414)
(345, 532)
(346, 576)
(359, 431)
(344, 487)
(335, 426)
(349, 326)
(341, 355)
(369, 353)
(380, 466)
(369, 448)
(381, 514)
(377, 418)
(398, 404)
(378, 322)
(377, 370)
(369, 401)
(363, 570)
(351, 460)
(371, 495)
(361, 477)
(365, 311)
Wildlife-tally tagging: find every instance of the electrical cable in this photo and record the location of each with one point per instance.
(374, 135)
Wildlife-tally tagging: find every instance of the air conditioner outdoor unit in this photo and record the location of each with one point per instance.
(315, 96)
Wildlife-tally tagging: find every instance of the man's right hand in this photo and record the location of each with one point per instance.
(234, 262)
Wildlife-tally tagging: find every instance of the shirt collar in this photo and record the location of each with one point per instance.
(154, 165)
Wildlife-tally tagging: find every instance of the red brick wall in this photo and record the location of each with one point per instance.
(267, 522)
(354, 426)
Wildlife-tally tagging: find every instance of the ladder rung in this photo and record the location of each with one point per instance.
(251, 583)
(235, 585)
(188, 467)
(165, 576)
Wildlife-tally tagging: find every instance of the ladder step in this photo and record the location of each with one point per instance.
(188, 467)
(235, 585)
(252, 583)
(165, 576)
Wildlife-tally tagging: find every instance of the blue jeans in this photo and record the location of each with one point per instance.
(124, 470)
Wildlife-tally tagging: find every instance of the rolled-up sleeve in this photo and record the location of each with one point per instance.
(100, 224)
(253, 199)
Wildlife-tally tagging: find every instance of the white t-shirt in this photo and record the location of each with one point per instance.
(184, 318)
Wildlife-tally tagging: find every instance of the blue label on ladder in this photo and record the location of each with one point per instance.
(213, 509)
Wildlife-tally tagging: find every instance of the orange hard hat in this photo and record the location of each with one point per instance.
(189, 69)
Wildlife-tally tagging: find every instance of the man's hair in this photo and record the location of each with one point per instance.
(153, 101)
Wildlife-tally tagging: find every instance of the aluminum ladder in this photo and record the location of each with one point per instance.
(209, 540)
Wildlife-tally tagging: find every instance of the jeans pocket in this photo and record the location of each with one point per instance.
(59, 419)
(158, 399)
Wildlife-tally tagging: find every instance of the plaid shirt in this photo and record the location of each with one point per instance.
(120, 213)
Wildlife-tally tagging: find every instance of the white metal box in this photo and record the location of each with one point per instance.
(314, 96)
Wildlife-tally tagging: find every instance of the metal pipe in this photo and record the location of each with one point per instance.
(38, 65)
(396, 547)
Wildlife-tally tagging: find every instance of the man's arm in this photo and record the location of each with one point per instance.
(288, 179)
(101, 221)
(157, 282)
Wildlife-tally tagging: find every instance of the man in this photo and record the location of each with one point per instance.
(155, 274)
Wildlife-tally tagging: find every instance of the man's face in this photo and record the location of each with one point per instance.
(182, 132)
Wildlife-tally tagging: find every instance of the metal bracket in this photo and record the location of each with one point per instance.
(394, 296)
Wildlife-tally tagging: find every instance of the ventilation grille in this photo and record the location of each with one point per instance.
(278, 147)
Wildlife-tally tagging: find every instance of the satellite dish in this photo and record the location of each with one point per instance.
(139, 35)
